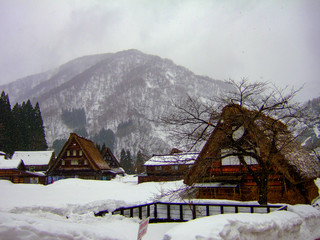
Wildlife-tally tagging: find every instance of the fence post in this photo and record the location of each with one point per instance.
(207, 210)
(140, 212)
(221, 209)
(148, 210)
(168, 212)
(194, 211)
(131, 212)
(236, 210)
(155, 211)
(181, 212)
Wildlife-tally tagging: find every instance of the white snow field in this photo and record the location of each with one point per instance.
(65, 210)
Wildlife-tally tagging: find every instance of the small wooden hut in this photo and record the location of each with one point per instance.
(35, 161)
(167, 167)
(16, 172)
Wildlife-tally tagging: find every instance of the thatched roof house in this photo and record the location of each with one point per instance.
(112, 162)
(79, 158)
(218, 172)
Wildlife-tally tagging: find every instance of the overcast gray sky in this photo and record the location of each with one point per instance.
(271, 40)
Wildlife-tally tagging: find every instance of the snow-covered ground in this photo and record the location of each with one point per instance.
(65, 210)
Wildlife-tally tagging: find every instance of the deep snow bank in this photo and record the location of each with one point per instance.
(69, 196)
(299, 222)
(64, 210)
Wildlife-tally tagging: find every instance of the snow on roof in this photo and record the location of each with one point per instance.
(175, 159)
(214, 185)
(2, 153)
(9, 164)
(33, 157)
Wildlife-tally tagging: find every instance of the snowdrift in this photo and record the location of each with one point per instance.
(65, 210)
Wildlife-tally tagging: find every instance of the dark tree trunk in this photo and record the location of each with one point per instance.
(263, 189)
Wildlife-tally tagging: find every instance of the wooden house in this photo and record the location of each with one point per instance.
(219, 173)
(112, 162)
(167, 167)
(35, 161)
(16, 172)
(79, 158)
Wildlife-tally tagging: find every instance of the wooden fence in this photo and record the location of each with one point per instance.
(180, 212)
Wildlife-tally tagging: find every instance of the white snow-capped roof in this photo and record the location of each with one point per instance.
(33, 157)
(2, 153)
(175, 159)
(9, 164)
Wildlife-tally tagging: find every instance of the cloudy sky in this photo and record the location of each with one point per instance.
(271, 40)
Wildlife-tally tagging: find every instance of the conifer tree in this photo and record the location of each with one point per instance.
(39, 139)
(139, 167)
(6, 125)
(126, 161)
(21, 128)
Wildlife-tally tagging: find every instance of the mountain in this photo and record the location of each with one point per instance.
(310, 136)
(120, 91)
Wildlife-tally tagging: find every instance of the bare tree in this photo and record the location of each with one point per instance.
(262, 107)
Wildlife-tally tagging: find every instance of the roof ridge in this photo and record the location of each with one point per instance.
(77, 136)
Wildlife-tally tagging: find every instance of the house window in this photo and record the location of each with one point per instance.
(250, 160)
(234, 160)
(85, 162)
(74, 152)
(158, 168)
(63, 162)
(229, 160)
(74, 162)
(68, 153)
(80, 152)
(174, 167)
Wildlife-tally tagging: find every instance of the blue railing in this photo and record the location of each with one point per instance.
(180, 212)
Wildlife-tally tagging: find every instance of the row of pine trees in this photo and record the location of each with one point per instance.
(21, 128)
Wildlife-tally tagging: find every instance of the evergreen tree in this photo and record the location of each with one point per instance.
(126, 161)
(37, 139)
(6, 125)
(21, 128)
(139, 166)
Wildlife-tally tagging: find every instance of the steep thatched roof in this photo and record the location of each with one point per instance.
(107, 151)
(294, 162)
(89, 150)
